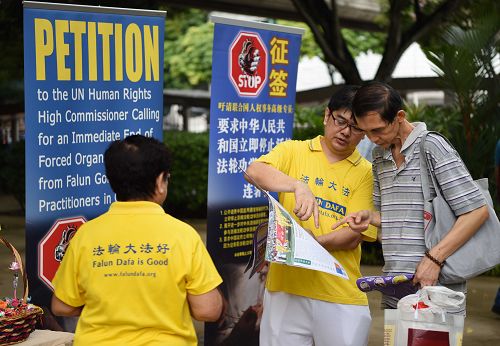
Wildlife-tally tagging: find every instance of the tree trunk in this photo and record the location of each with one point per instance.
(323, 21)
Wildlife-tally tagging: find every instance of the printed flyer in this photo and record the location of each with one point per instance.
(288, 243)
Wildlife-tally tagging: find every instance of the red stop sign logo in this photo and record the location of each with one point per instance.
(248, 64)
(52, 247)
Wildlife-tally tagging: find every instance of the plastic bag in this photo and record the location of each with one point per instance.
(423, 319)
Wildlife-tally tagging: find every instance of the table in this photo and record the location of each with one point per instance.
(42, 337)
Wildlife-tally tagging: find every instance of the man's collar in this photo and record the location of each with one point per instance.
(419, 127)
(414, 134)
(315, 145)
(355, 157)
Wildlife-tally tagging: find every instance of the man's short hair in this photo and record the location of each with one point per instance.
(133, 164)
(377, 97)
(343, 98)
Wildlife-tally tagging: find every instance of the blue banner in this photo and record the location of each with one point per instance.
(254, 75)
(92, 75)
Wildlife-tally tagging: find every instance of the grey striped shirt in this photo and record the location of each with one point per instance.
(397, 194)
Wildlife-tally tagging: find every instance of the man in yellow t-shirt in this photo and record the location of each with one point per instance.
(319, 181)
(136, 275)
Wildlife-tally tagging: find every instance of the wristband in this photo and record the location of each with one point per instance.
(434, 259)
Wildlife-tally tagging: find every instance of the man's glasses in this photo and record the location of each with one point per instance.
(343, 123)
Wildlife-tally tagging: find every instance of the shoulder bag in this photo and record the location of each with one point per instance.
(481, 252)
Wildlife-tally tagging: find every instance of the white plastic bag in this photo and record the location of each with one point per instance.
(423, 319)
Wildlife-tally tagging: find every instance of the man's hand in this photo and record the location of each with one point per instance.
(358, 221)
(305, 203)
(427, 273)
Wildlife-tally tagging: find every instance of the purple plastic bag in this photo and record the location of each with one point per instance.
(397, 286)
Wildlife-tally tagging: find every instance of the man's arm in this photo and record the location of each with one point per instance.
(60, 308)
(465, 227)
(342, 239)
(272, 179)
(206, 307)
(460, 192)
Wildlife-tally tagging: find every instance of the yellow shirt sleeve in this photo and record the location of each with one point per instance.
(278, 157)
(362, 199)
(203, 276)
(65, 282)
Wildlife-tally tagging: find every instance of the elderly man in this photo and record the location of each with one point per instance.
(397, 190)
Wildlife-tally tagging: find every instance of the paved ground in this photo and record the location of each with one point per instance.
(482, 327)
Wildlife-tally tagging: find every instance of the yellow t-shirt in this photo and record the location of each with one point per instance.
(340, 188)
(132, 268)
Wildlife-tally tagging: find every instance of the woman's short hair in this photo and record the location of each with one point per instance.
(133, 164)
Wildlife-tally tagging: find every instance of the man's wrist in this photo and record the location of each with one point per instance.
(296, 185)
(375, 218)
(434, 259)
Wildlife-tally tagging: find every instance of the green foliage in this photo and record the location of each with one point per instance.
(191, 62)
(448, 121)
(180, 20)
(308, 122)
(12, 171)
(465, 60)
(359, 41)
(187, 192)
(188, 49)
(445, 120)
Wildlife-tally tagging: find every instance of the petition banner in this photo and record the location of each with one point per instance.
(254, 75)
(92, 75)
